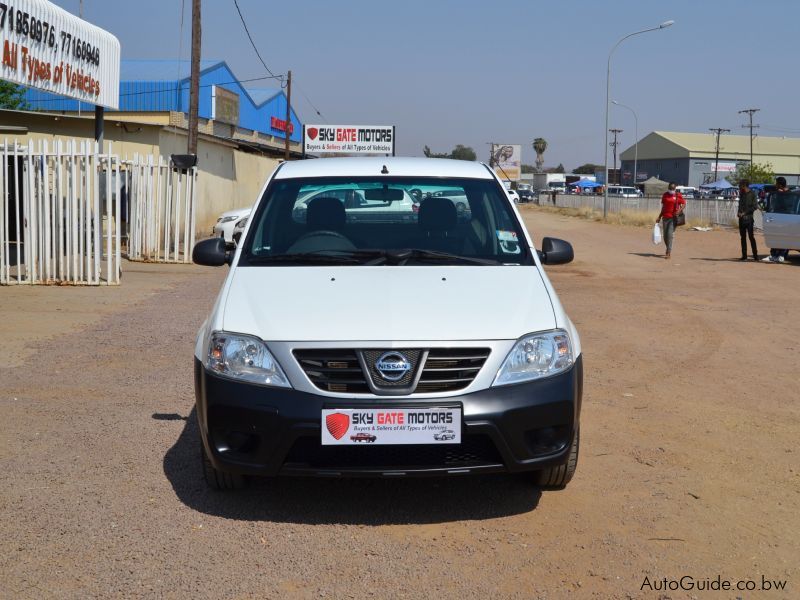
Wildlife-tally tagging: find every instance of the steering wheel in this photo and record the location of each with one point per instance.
(321, 240)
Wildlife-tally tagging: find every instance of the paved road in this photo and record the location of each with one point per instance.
(688, 467)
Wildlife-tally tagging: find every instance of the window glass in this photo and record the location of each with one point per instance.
(787, 203)
(388, 220)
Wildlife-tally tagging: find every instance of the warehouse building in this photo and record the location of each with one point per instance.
(689, 158)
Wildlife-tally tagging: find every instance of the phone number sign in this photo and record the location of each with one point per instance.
(45, 47)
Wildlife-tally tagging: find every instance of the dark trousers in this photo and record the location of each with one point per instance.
(745, 231)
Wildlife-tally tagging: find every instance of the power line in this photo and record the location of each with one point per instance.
(252, 43)
(40, 100)
(718, 132)
(316, 110)
(750, 112)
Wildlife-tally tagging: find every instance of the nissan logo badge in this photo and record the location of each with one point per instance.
(392, 366)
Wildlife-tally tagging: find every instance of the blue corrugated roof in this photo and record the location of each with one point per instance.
(261, 95)
(160, 70)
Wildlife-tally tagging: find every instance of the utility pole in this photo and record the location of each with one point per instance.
(614, 145)
(194, 83)
(288, 115)
(750, 112)
(718, 132)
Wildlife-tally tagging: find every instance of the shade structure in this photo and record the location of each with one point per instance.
(586, 183)
(719, 184)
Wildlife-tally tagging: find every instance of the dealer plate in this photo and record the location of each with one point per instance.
(366, 426)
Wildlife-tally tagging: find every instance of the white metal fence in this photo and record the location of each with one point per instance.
(161, 222)
(59, 214)
(717, 212)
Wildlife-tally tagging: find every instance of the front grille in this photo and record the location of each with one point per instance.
(339, 370)
(450, 369)
(473, 451)
(333, 370)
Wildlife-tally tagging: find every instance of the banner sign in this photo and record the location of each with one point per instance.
(46, 47)
(348, 139)
(224, 105)
(507, 161)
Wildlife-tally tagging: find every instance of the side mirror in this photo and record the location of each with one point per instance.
(211, 253)
(556, 252)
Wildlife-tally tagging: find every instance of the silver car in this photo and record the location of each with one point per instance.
(782, 220)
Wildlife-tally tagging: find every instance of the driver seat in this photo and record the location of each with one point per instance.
(325, 214)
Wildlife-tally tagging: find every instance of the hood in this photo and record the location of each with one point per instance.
(387, 303)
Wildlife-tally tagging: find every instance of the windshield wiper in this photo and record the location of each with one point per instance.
(305, 258)
(401, 257)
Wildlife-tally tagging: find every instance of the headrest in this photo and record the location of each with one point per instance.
(437, 214)
(325, 213)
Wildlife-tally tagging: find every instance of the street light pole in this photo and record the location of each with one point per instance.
(608, 94)
(636, 137)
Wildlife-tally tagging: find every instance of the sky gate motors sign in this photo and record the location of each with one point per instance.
(45, 47)
(348, 139)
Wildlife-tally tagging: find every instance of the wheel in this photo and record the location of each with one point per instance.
(557, 478)
(219, 480)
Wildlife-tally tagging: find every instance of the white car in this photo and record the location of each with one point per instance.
(238, 230)
(226, 222)
(330, 330)
(782, 221)
(623, 191)
(513, 195)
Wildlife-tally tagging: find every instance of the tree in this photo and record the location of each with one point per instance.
(755, 173)
(12, 96)
(540, 145)
(587, 169)
(528, 168)
(460, 152)
(463, 153)
(559, 169)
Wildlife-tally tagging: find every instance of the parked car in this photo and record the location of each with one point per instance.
(782, 220)
(513, 195)
(310, 336)
(623, 191)
(447, 434)
(226, 222)
(525, 194)
(238, 230)
(688, 192)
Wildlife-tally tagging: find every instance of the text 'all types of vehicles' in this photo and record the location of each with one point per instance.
(365, 329)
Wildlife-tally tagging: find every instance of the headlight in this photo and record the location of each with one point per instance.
(245, 358)
(242, 223)
(228, 219)
(536, 356)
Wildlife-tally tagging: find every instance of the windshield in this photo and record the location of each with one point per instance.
(386, 220)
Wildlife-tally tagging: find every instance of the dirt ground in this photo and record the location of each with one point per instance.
(689, 460)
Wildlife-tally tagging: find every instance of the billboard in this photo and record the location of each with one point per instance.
(507, 161)
(224, 105)
(46, 47)
(348, 139)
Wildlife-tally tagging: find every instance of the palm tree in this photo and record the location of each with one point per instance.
(540, 145)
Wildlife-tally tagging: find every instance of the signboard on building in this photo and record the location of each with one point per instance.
(281, 125)
(507, 161)
(46, 47)
(723, 167)
(348, 139)
(224, 105)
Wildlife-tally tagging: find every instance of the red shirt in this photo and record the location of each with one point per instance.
(668, 202)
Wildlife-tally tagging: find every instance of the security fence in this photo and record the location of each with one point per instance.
(60, 214)
(161, 223)
(716, 212)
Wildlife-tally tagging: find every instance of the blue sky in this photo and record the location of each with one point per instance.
(452, 72)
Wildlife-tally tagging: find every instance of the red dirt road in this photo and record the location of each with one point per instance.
(689, 460)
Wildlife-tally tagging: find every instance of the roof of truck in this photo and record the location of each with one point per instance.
(396, 166)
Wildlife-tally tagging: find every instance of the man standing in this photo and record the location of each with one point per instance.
(748, 204)
(777, 255)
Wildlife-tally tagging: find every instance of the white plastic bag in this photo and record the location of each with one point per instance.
(656, 234)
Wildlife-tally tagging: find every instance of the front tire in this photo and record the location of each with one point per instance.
(219, 480)
(557, 478)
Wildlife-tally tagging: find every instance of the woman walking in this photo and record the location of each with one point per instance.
(672, 204)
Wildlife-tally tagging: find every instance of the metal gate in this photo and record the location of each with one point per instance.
(161, 225)
(59, 214)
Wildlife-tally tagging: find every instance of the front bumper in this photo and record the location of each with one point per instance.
(258, 430)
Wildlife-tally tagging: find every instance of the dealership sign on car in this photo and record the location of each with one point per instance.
(391, 426)
(46, 47)
(348, 139)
